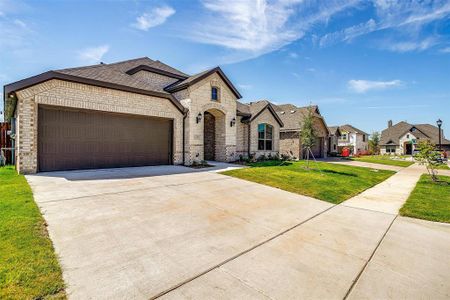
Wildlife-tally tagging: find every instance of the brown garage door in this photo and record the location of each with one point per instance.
(82, 139)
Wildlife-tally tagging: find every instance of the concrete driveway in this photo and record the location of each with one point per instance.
(137, 232)
(175, 233)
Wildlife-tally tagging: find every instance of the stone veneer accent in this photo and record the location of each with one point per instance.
(198, 100)
(265, 117)
(75, 95)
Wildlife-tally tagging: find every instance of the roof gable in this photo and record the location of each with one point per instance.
(182, 84)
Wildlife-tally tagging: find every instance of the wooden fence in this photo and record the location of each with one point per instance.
(5, 141)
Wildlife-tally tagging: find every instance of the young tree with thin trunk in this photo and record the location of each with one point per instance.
(428, 156)
(307, 134)
(374, 142)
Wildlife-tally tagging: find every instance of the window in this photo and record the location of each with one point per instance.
(265, 136)
(390, 149)
(407, 136)
(334, 147)
(344, 137)
(364, 137)
(215, 93)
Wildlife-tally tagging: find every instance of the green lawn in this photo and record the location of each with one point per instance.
(334, 184)
(429, 201)
(384, 160)
(28, 265)
(442, 167)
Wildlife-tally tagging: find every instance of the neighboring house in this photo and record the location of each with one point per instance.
(134, 113)
(292, 117)
(333, 140)
(353, 138)
(403, 138)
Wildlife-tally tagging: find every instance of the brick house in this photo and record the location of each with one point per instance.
(403, 138)
(292, 117)
(134, 113)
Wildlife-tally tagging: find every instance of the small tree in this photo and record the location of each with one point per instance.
(429, 157)
(307, 133)
(374, 142)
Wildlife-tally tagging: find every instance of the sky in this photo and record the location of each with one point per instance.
(363, 62)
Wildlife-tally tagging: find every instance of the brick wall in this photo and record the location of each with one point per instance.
(265, 117)
(241, 138)
(290, 144)
(75, 95)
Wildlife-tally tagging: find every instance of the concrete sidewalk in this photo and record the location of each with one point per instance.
(389, 195)
(362, 164)
(346, 251)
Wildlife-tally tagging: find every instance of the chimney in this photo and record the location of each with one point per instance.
(389, 123)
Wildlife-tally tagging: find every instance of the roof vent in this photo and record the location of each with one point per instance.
(292, 111)
(282, 112)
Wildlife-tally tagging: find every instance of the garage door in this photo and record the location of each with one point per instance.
(82, 139)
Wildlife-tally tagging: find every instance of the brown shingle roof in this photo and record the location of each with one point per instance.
(334, 130)
(350, 128)
(392, 135)
(112, 76)
(253, 109)
(292, 116)
(182, 84)
(117, 73)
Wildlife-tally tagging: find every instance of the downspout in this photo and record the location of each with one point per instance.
(248, 140)
(184, 138)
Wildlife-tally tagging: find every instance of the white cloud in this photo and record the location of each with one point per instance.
(445, 50)
(296, 75)
(293, 55)
(14, 35)
(405, 19)
(412, 45)
(93, 55)
(259, 27)
(155, 17)
(348, 33)
(362, 86)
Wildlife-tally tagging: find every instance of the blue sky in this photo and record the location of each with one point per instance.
(362, 62)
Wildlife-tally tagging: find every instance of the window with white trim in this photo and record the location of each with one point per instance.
(265, 137)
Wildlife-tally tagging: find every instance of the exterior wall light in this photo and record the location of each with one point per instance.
(199, 118)
(233, 122)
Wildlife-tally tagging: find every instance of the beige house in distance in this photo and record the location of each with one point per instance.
(403, 138)
(134, 113)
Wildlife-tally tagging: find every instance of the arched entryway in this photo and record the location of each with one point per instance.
(214, 135)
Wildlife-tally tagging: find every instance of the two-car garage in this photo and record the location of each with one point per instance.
(72, 139)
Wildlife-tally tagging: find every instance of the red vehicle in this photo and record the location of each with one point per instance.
(345, 152)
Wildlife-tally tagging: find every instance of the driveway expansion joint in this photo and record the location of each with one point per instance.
(370, 258)
(217, 266)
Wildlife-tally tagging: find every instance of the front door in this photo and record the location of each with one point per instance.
(408, 148)
(209, 136)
